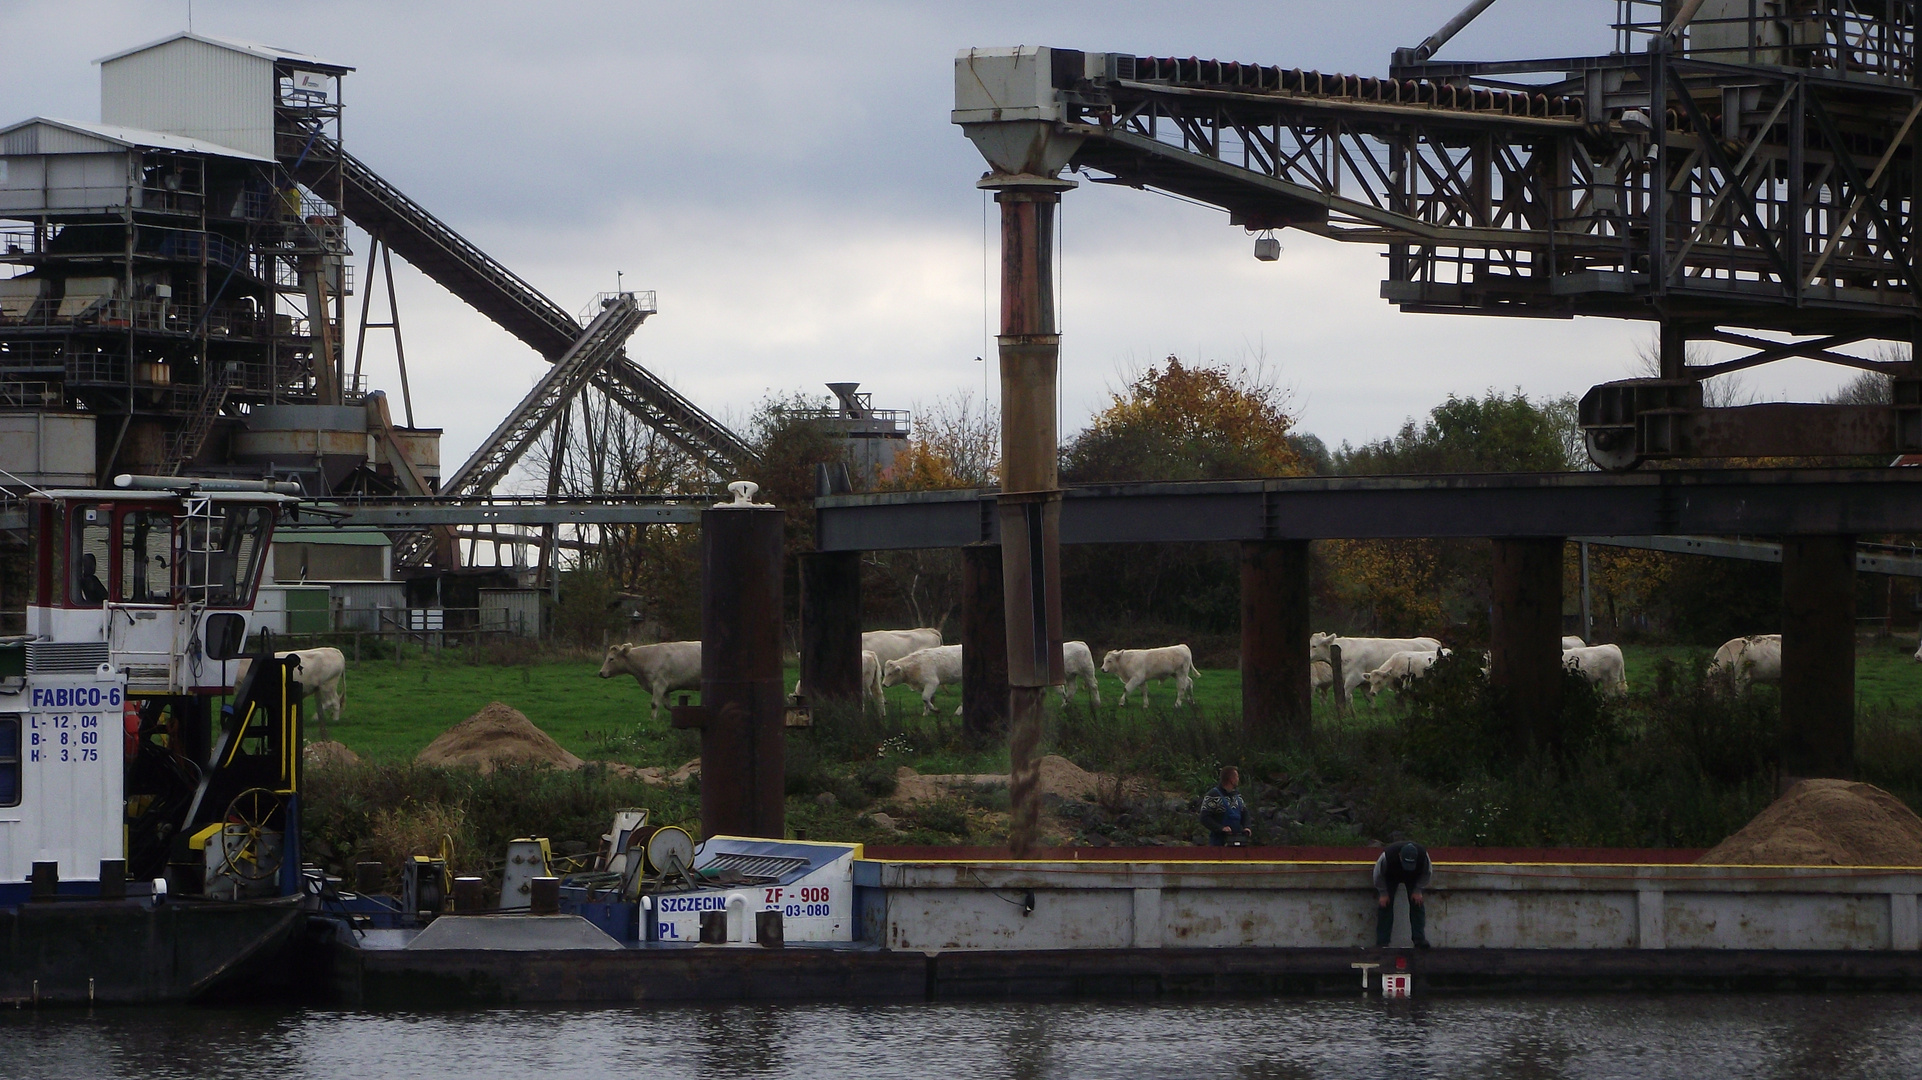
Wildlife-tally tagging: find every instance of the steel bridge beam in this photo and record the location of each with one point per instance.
(1513, 505)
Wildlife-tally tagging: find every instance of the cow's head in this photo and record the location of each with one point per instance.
(891, 673)
(1109, 659)
(614, 653)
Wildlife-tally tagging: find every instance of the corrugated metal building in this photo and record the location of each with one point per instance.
(205, 88)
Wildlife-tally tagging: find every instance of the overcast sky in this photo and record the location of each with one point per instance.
(785, 176)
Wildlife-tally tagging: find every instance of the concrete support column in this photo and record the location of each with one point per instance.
(1276, 688)
(1525, 636)
(831, 626)
(742, 700)
(1818, 656)
(984, 640)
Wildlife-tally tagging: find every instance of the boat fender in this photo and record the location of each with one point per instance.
(159, 891)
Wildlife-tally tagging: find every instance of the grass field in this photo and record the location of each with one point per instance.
(394, 710)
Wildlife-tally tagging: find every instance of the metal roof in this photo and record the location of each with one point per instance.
(251, 48)
(135, 137)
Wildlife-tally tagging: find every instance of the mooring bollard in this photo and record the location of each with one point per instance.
(46, 880)
(468, 896)
(369, 878)
(769, 930)
(113, 879)
(544, 898)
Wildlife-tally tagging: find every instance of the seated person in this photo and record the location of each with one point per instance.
(1223, 812)
(92, 589)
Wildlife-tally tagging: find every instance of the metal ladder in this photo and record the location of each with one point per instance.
(186, 443)
(519, 308)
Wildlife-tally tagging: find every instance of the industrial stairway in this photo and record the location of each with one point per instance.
(590, 354)
(516, 306)
(185, 445)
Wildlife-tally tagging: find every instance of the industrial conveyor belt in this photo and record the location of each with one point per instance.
(516, 306)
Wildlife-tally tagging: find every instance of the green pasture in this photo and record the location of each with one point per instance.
(393, 710)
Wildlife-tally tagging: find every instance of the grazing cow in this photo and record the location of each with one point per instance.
(1570, 641)
(1137, 667)
(1401, 669)
(319, 675)
(1601, 665)
(1360, 655)
(1745, 660)
(1321, 675)
(889, 645)
(1078, 663)
(870, 678)
(660, 668)
(927, 670)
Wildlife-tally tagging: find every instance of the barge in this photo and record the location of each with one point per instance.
(947, 923)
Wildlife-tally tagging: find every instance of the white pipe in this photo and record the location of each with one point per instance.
(1682, 18)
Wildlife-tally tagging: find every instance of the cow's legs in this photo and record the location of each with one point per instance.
(654, 714)
(927, 698)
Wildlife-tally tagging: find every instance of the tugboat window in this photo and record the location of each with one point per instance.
(92, 555)
(222, 554)
(10, 760)
(146, 557)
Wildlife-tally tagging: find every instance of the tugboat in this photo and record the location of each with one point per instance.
(150, 770)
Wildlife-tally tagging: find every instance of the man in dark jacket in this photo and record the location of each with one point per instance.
(1403, 864)
(1223, 813)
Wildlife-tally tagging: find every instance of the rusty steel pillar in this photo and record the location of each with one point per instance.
(1818, 656)
(1276, 686)
(984, 641)
(831, 626)
(1007, 103)
(1525, 636)
(742, 702)
(1030, 500)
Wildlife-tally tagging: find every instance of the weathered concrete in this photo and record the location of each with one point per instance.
(1818, 656)
(984, 640)
(1276, 694)
(831, 625)
(969, 906)
(1525, 633)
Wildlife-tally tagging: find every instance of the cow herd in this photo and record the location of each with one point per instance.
(918, 659)
(1393, 663)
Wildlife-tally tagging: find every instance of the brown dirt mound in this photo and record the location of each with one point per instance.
(329, 754)
(496, 735)
(1827, 823)
(1059, 776)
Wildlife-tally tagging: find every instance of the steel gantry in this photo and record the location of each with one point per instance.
(1739, 171)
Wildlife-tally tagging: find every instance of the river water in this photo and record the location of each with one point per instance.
(1505, 1038)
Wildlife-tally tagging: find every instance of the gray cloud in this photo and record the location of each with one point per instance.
(785, 176)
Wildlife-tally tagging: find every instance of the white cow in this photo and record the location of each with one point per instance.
(1321, 675)
(927, 670)
(889, 645)
(1078, 663)
(870, 678)
(1601, 665)
(318, 675)
(1361, 655)
(1570, 641)
(1137, 667)
(1400, 669)
(660, 668)
(1745, 660)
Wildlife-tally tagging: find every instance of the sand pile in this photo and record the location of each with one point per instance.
(329, 754)
(1827, 823)
(496, 735)
(1059, 777)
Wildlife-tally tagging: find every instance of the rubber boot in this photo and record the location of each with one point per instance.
(1385, 923)
(1418, 923)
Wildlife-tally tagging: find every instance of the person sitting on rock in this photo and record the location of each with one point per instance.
(1402, 864)
(1223, 812)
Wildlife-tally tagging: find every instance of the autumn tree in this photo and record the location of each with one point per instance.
(1174, 421)
(1181, 422)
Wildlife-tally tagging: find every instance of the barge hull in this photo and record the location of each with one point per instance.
(404, 979)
